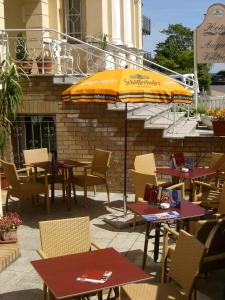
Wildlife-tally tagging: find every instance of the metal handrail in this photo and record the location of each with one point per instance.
(143, 58)
(80, 43)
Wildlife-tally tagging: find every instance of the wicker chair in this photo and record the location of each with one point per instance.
(211, 233)
(41, 155)
(145, 164)
(183, 259)
(210, 187)
(19, 188)
(140, 180)
(65, 236)
(36, 155)
(98, 175)
(211, 197)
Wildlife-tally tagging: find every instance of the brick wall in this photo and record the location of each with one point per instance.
(82, 127)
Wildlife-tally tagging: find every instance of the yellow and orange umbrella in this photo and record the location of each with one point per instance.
(127, 85)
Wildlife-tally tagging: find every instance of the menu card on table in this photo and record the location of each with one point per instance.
(162, 216)
(96, 276)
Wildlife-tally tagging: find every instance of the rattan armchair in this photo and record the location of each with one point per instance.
(209, 232)
(98, 172)
(183, 259)
(65, 236)
(20, 188)
(145, 164)
(211, 197)
(36, 155)
(42, 155)
(210, 186)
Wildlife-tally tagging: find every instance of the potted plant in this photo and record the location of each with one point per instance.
(10, 100)
(22, 57)
(218, 121)
(8, 226)
(44, 62)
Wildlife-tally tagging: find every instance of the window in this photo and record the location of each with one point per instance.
(30, 132)
(74, 18)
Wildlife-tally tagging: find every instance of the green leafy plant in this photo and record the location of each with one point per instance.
(103, 43)
(11, 98)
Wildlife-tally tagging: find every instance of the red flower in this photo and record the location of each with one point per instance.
(10, 221)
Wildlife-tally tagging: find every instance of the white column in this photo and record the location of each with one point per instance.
(127, 25)
(116, 23)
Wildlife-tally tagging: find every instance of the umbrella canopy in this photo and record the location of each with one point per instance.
(127, 85)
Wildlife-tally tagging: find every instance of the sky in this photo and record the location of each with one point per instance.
(189, 13)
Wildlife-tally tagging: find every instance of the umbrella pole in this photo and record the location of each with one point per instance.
(125, 164)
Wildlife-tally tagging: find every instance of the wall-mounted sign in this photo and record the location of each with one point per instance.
(210, 35)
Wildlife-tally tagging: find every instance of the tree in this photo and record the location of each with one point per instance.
(176, 53)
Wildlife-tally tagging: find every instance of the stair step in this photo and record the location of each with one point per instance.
(67, 79)
(149, 109)
(181, 129)
(163, 121)
(9, 252)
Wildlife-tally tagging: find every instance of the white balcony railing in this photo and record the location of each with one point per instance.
(47, 51)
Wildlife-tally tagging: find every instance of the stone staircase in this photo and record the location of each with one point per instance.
(161, 116)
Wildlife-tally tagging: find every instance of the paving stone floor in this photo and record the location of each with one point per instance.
(21, 282)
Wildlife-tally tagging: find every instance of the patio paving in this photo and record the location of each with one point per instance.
(20, 280)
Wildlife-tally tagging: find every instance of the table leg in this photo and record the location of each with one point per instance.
(156, 246)
(47, 200)
(68, 194)
(148, 228)
(50, 296)
(99, 295)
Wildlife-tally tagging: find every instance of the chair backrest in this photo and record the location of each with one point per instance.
(100, 162)
(145, 163)
(10, 173)
(217, 161)
(65, 236)
(221, 206)
(36, 155)
(216, 243)
(186, 261)
(140, 181)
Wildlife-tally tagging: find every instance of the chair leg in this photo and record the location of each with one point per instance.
(107, 189)
(47, 202)
(64, 192)
(45, 295)
(74, 192)
(33, 201)
(164, 270)
(134, 221)
(52, 192)
(7, 201)
(94, 190)
(19, 205)
(85, 193)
